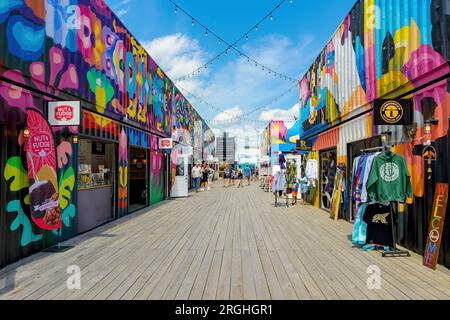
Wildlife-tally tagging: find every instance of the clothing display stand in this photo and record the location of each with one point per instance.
(394, 252)
(276, 200)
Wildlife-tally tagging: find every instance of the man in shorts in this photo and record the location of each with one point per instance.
(247, 173)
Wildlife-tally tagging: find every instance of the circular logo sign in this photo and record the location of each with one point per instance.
(391, 112)
(434, 235)
(389, 171)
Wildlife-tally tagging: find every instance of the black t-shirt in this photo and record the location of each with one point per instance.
(379, 228)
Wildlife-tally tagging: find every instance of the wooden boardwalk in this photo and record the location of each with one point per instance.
(221, 244)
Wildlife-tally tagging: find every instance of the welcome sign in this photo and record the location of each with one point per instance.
(436, 225)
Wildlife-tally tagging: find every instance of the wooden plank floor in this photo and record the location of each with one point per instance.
(221, 244)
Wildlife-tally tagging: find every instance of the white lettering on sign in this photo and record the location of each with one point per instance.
(64, 113)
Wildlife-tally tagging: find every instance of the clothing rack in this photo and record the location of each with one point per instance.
(394, 252)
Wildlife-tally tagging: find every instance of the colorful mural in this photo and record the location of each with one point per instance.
(180, 118)
(76, 49)
(156, 172)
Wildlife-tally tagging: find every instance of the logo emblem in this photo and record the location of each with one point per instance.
(391, 112)
(64, 113)
(389, 172)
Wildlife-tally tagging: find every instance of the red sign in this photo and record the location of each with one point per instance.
(436, 226)
(165, 143)
(64, 113)
(41, 162)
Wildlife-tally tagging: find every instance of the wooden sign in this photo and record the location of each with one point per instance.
(436, 225)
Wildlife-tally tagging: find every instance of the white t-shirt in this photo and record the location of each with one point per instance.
(196, 172)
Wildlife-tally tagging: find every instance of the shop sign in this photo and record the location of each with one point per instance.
(41, 163)
(303, 145)
(64, 113)
(165, 143)
(393, 112)
(436, 226)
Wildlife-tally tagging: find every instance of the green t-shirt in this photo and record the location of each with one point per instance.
(389, 179)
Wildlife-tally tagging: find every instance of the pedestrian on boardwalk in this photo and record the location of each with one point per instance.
(247, 173)
(295, 187)
(304, 187)
(210, 177)
(240, 176)
(196, 174)
(233, 175)
(205, 176)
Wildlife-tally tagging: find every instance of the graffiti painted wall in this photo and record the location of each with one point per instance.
(16, 228)
(379, 47)
(180, 118)
(156, 172)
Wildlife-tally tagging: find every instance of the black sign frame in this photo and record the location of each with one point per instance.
(393, 112)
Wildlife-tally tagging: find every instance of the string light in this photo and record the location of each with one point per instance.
(241, 117)
(233, 45)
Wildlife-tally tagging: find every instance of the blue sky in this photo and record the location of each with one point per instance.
(287, 44)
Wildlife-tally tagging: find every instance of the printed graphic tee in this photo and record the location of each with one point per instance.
(389, 179)
(379, 228)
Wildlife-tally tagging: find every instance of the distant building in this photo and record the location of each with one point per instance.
(226, 149)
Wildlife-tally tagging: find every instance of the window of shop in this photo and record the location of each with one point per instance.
(327, 176)
(96, 170)
(139, 179)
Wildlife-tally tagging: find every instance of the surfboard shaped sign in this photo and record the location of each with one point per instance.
(41, 163)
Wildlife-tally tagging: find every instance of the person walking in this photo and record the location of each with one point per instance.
(247, 173)
(205, 177)
(240, 176)
(295, 187)
(210, 177)
(196, 174)
(304, 187)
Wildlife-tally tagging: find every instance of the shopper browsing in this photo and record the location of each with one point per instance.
(196, 174)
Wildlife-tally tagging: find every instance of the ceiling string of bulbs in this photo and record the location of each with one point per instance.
(233, 117)
(233, 46)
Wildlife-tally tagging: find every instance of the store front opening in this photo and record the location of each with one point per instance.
(327, 176)
(354, 150)
(139, 179)
(96, 170)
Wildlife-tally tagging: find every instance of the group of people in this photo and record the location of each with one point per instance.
(202, 176)
(231, 175)
(302, 186)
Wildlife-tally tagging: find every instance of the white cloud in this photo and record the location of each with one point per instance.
(281, 114)
(234, 85)
(122, 12)
(228, 114)
(177, 54)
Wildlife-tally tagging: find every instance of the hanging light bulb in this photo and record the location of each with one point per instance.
(271, 16)
(256, 28)
(226, 52)
(176, 9)
(193, 22)
(206, 32)
(220, 42)
(218, 58)
(246, 37)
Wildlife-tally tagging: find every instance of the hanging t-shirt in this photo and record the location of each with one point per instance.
(379, 228)
(389, 179)
(368, 166)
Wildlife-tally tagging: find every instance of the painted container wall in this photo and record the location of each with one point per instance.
(379, 47)
(19, 236)
(387, 49)
(73, 50)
